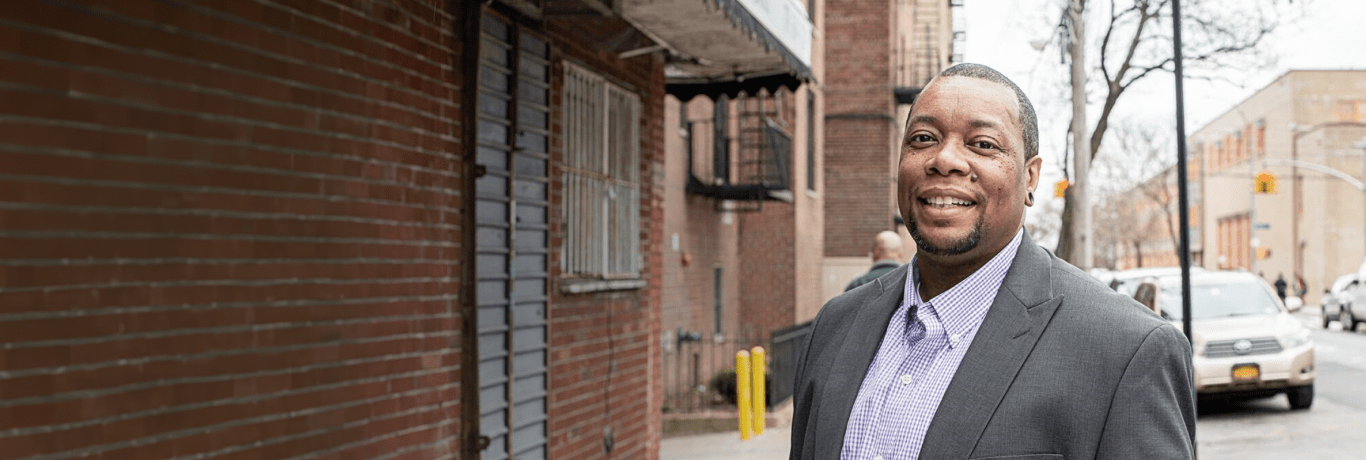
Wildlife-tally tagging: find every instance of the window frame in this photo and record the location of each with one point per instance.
(602, 157)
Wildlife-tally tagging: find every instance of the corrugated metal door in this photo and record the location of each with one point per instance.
(511, 196)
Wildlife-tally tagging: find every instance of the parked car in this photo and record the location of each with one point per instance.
(1353, 311)
(1247, 343)
(1336, 297)
(1127, 281)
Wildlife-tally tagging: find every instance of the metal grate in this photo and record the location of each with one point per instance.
(1225, 348)
(601, 177)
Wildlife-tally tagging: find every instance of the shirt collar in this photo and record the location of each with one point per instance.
(962, 307)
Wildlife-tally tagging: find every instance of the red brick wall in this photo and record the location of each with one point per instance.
(230, 228)
(604, 346)
(860, 125)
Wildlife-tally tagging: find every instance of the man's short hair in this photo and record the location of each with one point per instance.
(1029, 122)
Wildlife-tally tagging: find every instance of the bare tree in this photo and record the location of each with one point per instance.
(1218, 36)
(1138, 187)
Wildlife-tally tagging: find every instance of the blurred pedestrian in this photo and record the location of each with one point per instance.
(886, 256)
(1280, 286)
(1300, 286)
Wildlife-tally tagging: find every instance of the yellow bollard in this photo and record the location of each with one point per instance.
(758, 365)
(742, 390)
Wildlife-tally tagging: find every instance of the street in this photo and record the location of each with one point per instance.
(1267, 429)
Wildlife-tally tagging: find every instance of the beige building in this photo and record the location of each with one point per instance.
(1300, 130)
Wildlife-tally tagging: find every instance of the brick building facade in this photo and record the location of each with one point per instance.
(879, 55)
(742, 216)
(303, 228)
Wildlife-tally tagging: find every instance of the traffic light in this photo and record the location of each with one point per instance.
(1265, 183)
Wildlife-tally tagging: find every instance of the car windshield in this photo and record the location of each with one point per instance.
(1219, 300)
(1342, 283)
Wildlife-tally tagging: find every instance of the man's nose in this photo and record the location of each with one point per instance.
(949, 160)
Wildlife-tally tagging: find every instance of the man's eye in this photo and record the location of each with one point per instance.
(922, 138)
(984, 145)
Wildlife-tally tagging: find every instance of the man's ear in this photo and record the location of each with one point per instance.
(1032, 167)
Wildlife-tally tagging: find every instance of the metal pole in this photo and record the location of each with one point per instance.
(1251, 249)
(1183, 195)
(1081, 146)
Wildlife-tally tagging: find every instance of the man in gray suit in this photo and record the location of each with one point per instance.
(986, 345)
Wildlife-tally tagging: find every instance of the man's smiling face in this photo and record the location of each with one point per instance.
(962, 176)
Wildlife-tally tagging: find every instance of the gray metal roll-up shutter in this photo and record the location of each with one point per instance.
(512, 244)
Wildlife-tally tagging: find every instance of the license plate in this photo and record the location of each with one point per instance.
(1246, 373)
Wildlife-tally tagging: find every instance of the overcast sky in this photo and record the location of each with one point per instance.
(1000, 32)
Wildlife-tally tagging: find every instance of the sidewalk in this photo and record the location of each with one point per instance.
(772, 445)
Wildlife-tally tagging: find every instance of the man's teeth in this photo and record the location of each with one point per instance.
(944, 202)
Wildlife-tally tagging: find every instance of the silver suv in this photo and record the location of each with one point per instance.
(1247, 343)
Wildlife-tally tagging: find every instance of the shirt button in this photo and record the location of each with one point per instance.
(953, 339)
(905, 380)
(877, 457)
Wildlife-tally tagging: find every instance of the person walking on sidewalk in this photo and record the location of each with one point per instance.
(986, 345)
(886, 257)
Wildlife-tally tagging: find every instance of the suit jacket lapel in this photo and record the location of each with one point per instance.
(1012, 326)
(851, 365)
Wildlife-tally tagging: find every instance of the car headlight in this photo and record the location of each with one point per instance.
(1296, 339)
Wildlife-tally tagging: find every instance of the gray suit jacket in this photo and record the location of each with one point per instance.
(1061, 367)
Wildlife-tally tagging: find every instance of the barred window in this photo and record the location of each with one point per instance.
(601, 177)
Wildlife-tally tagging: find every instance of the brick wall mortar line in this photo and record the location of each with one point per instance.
(439, 11)
(191, 87)
(214, 261)
(51, 234)
(163, 333)
(229, 282)
(221, 190)
(220, 353)
(441, 444)
(220, 305)
(278, 416)
(204, 379)
(219, 14)
(205, 64)
(163, 27)
(315, 454)
(243, 121)
(454, 158)
(45, 429)
(207, 212)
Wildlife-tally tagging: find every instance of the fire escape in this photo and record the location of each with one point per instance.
(747, 166)
(928, 49)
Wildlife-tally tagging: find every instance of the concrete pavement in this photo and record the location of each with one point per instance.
(772, 445)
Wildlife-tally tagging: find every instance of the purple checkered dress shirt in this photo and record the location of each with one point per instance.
(916, 362)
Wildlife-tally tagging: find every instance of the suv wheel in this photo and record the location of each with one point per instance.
(1300, 397)
(1349, 323)
(1325, 317)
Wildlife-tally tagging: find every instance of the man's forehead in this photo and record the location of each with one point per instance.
(970, 87)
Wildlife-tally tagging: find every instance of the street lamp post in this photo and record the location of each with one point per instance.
(1361, 144)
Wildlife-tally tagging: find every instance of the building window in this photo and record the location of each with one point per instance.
(718, 278)
(810, 140)
(601, 178)
(721, 141)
